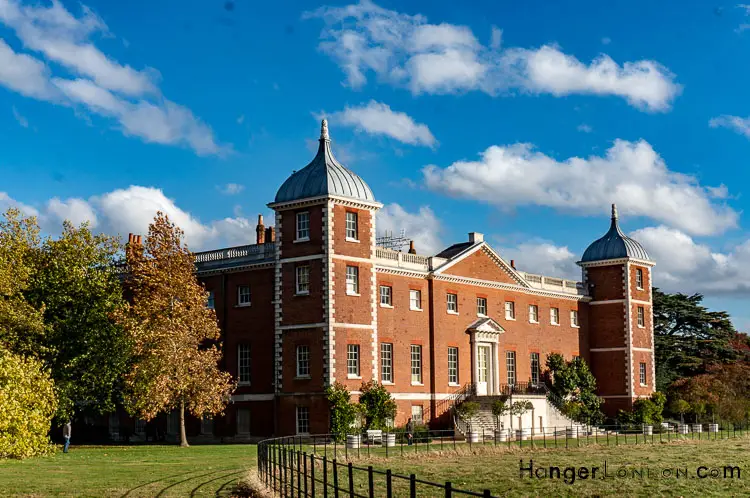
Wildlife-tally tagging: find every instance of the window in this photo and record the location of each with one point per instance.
(210, 300)
(243, 295)
(303, 226)
(303, 279)
(641, 317)
(352, 227)
(453, 303)
(535, 373)
(386, 362)
(510, 365)
(482, 306)
(352, 360)
(574, 318)
(415, 299)
(303, 361)
(207, 424)
(416, 364)
(533, 313)
(643, 374)
(453, 365)
(639, 278)
(417, 415)
(352, 280)
(243, 421)
(386, 295)
(140, 426)
(554, 316)
(510, 310)
(243, 363)
(303, 420)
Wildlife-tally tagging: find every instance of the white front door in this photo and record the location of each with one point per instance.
(483, 369)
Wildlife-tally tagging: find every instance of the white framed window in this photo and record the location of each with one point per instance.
(352, 226)
(482, 306)
(303, 226)
(554, 316)
(386, 296)
(352, 360)
(302, 279)
(510, 366)
(243, 363)
(417, 415)
(303, 420)
(386, 362)
(643, 378)
(639, 278)
(452, 303)
(641, 316)
(303, 360)
(510, 310)
(574, 318)
(535, 370)
(416, 364)
(533, 313)
(211, 300)
(453, 365)
(415, 300)
(243, 295)
(243, 421)
(352, 280)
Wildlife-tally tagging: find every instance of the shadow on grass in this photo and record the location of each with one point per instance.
(195, 489)
(164, 490)
(223, 487)
(128, 492)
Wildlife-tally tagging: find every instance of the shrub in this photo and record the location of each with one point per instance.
(500, 408)
(378, 406)
(343, 412)
(27, 405)
(646, 411)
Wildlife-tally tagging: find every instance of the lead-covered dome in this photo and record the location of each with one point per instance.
(614, 245)
(324, 176)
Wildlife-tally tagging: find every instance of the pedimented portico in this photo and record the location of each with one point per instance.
(484, 337)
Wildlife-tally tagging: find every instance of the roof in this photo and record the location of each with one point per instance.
(453, 250)
(324, 176)
(614, 245)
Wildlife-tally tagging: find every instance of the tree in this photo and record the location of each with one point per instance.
(377, 403)
(343, 411)
(500, 408)
(467, 411)
(519, 409)
(723, 392)
(21, 325)
(688, 337)
(574, 389)
(679, 406)
(174, 335)
(76, 284)
(27, 405)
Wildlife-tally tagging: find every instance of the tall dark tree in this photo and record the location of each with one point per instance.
(574, 389)
(688, 337)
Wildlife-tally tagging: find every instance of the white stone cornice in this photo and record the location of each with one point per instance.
(353, 259)
(233, 269)
(296, 259)
(618, 261)
(323, 199)
(401, 272)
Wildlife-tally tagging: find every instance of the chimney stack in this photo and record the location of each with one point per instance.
(411, 247)
(138, 240)
(270, 234)
(513, 263)
(260, 231)
(476, 237)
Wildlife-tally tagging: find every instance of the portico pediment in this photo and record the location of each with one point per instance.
(485, 325)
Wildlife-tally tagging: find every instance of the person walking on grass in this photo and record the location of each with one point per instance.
(409, 431)
(66, 434)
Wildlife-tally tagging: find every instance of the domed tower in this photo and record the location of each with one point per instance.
(325, 292)
(617, 273)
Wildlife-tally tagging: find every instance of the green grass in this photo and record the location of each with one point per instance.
(133, 471)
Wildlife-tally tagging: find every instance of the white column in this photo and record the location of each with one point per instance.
(496, 359)
(473, 358)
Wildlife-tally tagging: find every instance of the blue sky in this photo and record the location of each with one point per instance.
(522, 120)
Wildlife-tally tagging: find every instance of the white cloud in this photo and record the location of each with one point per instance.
(22, 121)
(76, 211)
(406, 50)
(423, 227)
(543, 258)
(104, 87)
(584, 128)
(376, 118)
(735, 123)
(630, 174)
(232, 189)
(684, 265)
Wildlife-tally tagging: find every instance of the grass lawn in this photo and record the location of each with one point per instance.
(642, 470)
(133, 471)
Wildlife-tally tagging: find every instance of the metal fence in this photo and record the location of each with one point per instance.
(322, 465)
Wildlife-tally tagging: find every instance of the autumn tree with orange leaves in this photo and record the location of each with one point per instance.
(174, 334)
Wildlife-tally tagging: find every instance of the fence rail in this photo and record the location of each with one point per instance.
(323, 465)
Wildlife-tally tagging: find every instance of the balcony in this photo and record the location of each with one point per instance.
(235, 256)
(553, 284)
(406, 261)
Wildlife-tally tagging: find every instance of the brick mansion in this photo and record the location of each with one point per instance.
(316, 300)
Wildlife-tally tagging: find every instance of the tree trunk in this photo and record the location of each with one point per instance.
(183, 436)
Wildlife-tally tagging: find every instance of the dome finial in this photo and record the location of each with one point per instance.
(324, 130)
(614, 212)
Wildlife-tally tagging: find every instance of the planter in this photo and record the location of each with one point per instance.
(697, 428)
(501, 435)
(572, 432)
(353, 442)
(523, 434)
(472, 437)
(665, 425)
(648, 430)
(683, 428)
(713, 427)
(390, 440)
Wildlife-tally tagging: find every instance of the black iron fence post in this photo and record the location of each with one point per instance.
(325, 477)
(448, 490)
(388, 484)
(335, 479)
(351, 481)
(412, 486)
(370, 482)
